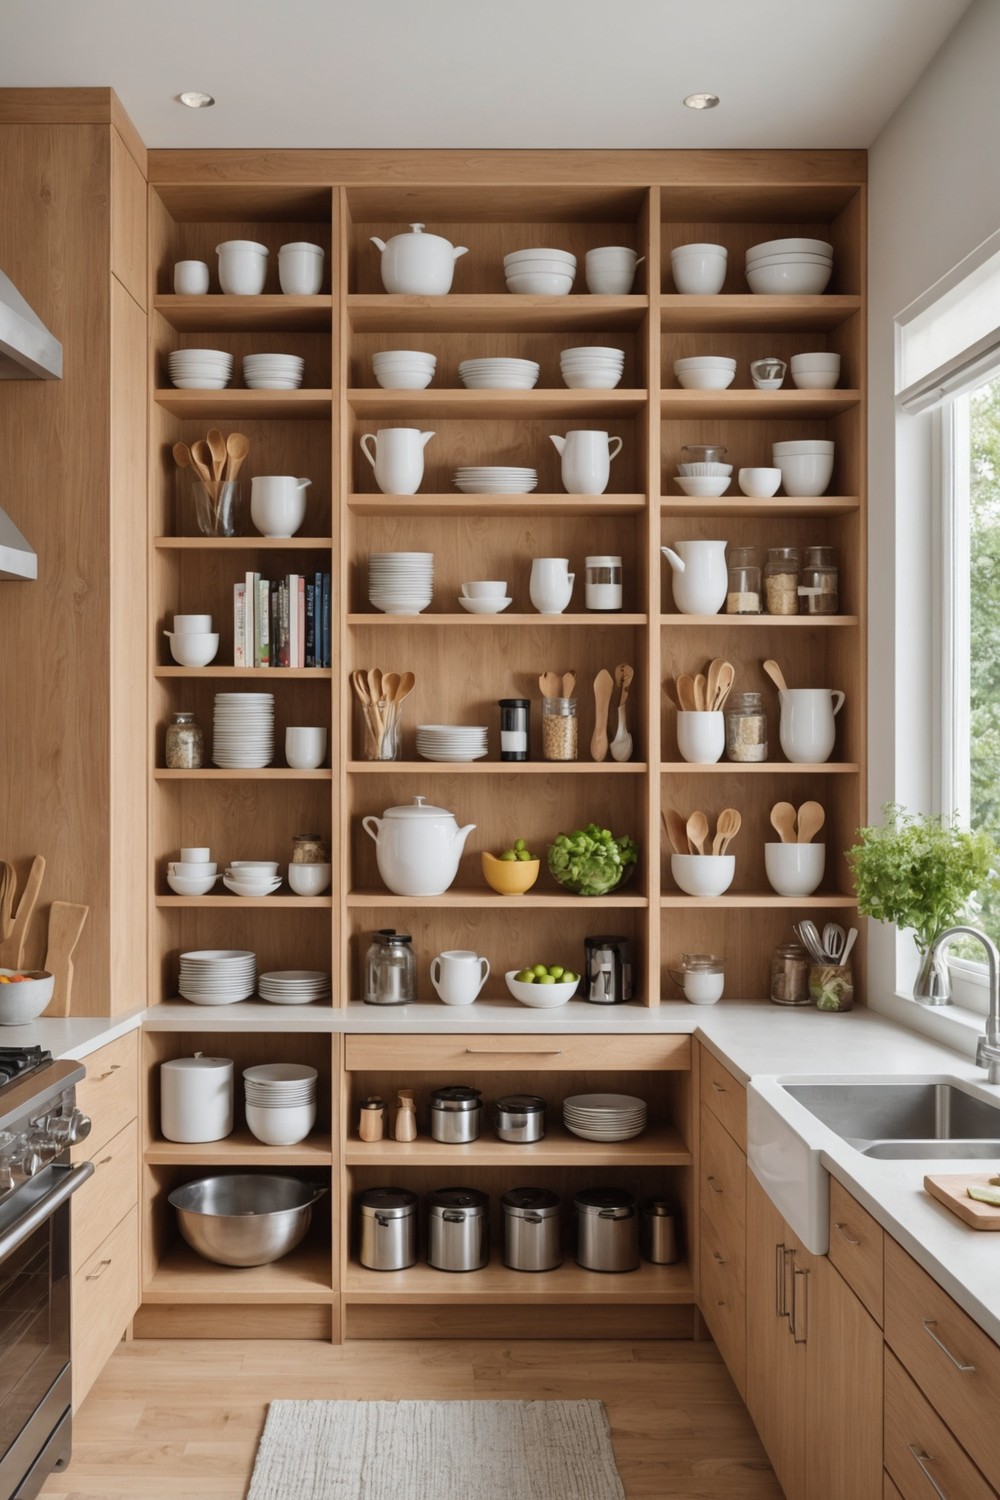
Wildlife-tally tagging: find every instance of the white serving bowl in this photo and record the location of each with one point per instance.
(309, 880)
(190, 885)
(544, 252)
(249, 889)
(199, 624)
(402, 378)
(699, 270)
(25, 1001)
(706, 488)
(759, 484)
(538, 284)
(485, 588)
(703, 874)
(255, 866)
(199, 383)
(821, 360)
(754, 262)
(791, 247)
(705, 362)
(805, 473)
(193, 648)
(193, 869)
(705, 471)
(814, 380)
(484, 606)
(609, 281)
(591, 380)
(794, 869)
(803, 445)
(414, 356)
(789, 280)
(539, 996)
(705, 380)
(285, 1125)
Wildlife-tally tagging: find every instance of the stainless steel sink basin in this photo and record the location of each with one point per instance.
(904, 1120)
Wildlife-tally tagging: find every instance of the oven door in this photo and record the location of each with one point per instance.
(35, 1389)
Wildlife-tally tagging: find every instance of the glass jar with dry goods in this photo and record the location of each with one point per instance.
(790, 967)
(746, 728)
(781, 580)
(831, 986)
(819, 589)
(559, 729)
(309, 849)
(743, 596)
(185, 747)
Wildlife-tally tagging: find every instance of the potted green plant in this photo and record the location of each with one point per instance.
(918, 871)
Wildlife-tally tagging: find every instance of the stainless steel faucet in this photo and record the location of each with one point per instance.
(988, 1049)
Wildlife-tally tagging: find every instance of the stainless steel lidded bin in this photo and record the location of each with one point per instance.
(658, 1237)
(456, 1114)
(531, 1229)
(458, 1229)
(388, 1228)
(607, 1230)
(519, 1118)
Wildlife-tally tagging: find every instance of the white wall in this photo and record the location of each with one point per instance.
(934, 196)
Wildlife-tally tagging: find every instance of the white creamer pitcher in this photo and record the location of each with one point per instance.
(586, 460)
(806, 730)
(700, 579)
(398, 459)
(551, 584)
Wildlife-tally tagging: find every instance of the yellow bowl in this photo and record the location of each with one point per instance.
(510, 877)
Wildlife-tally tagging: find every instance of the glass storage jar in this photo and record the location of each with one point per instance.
(309, 849)
(514, 728)
(746, 728)
(743, 595)
(390, 969)
(559, 729)
(790, 975)
(604, 583)
(819, 589)
(185, 747)
(781, 581)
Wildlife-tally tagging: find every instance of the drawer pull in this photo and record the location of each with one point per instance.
(842, 1231)
(780, 1310)
(101, 1268)
(113, 1069)
(513, 1052)
(721, 1259)
(929, 1327)
(719, 1088)
(796, 1327)
(712, 1184)
(104, 1161)
(922, 1460)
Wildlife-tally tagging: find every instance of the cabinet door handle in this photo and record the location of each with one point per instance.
(719, 1088)
(113, 1069)
(922, 1460)
(780, 1309)
(513, 1052)
(102, 1267)
(929, 1327)
(796, 1327)
(842, 1231)
(713, 1185)
(104, 1161)
(720, 1259)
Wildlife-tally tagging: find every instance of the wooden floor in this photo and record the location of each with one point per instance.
(183, 1419)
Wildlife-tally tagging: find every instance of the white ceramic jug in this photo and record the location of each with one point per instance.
(459, 975)
(551, 586)
(700, 579)
(278, 503)
(806, 730)
(398, 459)
(418, 264)
(586, 460)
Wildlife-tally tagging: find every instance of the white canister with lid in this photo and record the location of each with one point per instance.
(196, 1098)
(604, 583)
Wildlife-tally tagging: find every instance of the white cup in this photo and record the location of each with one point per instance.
(485, 589)
(610, 270)
(305, 747)
(551, 586)
(398, 459)
(300, 269)
(278, 503)
(242, 267)
(703, 987)
(192, 624)
(459, 975)
(806, 728)
(701, 736)
(190, 278)
(199, 856)
(309, 880)
(586, 460)
(794, 869)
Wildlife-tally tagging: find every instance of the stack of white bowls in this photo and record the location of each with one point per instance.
(401, 583)
(294, 986)
(451, 741)
(218, 976)
(193, 642)
(252, 877)
(404, 369)
(495, 479)
(540, 273)
(815, 372)
(806, 465)
(243, 731)
(281, 1102)
(592, 367)
(704, 480)
(273, 372)
(705, 372)
(499, 374)
(194, 874)
(605, 1117)
(699, 270)
(793, 267)
(200, 369)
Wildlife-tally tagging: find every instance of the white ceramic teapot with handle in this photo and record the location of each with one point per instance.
(418, 264)
(418, 847)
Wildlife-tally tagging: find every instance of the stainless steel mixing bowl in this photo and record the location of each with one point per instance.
(244, 1219)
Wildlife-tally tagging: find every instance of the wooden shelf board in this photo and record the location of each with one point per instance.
(242, 543)
(240, 1149)
(754, 622)
(247, 314)
(463, 900)
(229, 404)
(755, 768)
(184, 1277)
(267, 773)
(557, 405)
(482, 622)
(739, 404)
(495, 1283)
(267, 674)
(474, 313)
(659, 1146)
(758, 899)
(496, 505)
(495, 768)
(218, 903)
(777, 505)
(732, 313)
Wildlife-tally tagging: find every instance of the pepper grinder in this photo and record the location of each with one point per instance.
(406, 1116)
(371, 1122)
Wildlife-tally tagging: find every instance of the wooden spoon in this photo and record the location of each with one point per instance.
(550, 685)
(12, 947)
(685, 692)
(237, 448)
(188, 459)
(623, 677)
(701, 692)
(621, 745)
(727, 676)
(604, 685)
(783, 821)
(776, 675)
(405, 688)
(66, 922)
(726, 829)
(568, 684)
(676, 830)
(182, 455)
(811, 820)
(8, 885)
(714, 669)
(670, 688)
(217, 449)
(697, 831)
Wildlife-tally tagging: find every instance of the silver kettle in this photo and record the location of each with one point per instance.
(608, 970)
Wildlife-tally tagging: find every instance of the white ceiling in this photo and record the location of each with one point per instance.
(484, 74)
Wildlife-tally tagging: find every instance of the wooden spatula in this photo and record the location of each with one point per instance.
(811, 820)
(66, 922)
(12, 947)
(604, 686)
(676, 830)
(685, 693)
(783, 821)
(8, 885)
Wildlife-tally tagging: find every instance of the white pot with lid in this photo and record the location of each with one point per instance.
(196, 1098)
(418, 847)
(418, 264)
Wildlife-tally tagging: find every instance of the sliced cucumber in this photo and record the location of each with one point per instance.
(985, 1195)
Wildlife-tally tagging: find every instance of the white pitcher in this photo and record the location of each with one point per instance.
(586, 460)
(551, 586)
(398, 459)
(459, 975)
(700, 578)
(806, 730)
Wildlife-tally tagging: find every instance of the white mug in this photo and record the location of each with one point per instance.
(551, 586)
(398, 459)
(190, 278)
(278, 503)
(701, 736)
(806, 728)
(300, 269)
(459, 975)
(586, 460)
(305, 747)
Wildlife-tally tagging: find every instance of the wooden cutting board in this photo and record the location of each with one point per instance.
(952, 1192)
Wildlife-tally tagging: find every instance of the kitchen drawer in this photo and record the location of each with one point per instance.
(723, 1181)
(105, 1297)
(857, 1245)
(953, 1361)
(889, 1490)
(723, 1300)
(921, 1455)
(109, 1195)
(725, 1096)
(110, 1092)
(506, 1054)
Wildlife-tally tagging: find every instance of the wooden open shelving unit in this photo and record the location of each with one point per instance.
(493, 202)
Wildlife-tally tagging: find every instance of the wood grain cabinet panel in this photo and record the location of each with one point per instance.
(503, 1053)
(725, 1096)
(857, 1244)
(844, 1391)
(922, 1456)
(110, 1092)
(723, 1180)
(105, 1296)
(110, 1194)
(722, 1268)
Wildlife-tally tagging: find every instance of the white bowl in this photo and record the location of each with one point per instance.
(705, 471)
(792, 247)
(805, 473)
(403, 378)
(199, 383)
(192, 869)
(699, 270)
(794, 869)
(703, 874)
(705, 380)
(198, 624)
(821, 360)
(757, 262)
(804, 445)
(25, 1001)
(190, 885)
(248, 890)
(706, 488)
(484, 606)
(814, 380)
(705, 362)
(411, 356)
(592, 380)
(485, 588)
(309, 880)
(283, 1126)
(759, 484)
(539, 996)
(789, 280)
(196, 856)
(514, 257)
(540, 285)
(255, 866)
(193, 648)
(609, 281)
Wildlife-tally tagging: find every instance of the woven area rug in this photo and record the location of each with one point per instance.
(436, 1450)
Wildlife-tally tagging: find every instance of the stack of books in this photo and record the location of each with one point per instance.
(283, 622)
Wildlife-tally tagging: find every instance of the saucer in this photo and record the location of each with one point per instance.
(484, 606)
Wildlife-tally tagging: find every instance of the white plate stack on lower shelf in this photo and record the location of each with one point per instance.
(218, 976)
(243, 730)
(401, 583)
(495, 479)
(294, 986)
(452, 741)
(604, 1117)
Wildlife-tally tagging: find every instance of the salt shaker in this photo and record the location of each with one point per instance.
(405, 1128)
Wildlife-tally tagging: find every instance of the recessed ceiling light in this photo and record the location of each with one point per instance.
(195, 100)
(699, 101)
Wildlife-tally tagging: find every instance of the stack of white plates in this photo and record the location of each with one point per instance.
(243, 731)
(281, 1102)
(200, 369)
(294, 986)
(540, 273)
(250, 880)
(401, 583)
(498, 374)
(591, 367)
(273, 372)
(404, 369)
(451, 742)
(496, 479)
(605, 1117)
(218, 976)
(790, 267)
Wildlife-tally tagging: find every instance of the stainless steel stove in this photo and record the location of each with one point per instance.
(39, 1122)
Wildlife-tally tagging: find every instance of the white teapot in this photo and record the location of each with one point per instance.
(418, 264)
(418, 847)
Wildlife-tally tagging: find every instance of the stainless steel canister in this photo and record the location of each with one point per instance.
(458, 1229)
(388, 1228)
(658, 1225)
(607, 1230)
(531, 1229)
(519, 1118)
(456, 1113)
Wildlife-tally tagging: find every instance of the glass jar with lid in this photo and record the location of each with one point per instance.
(781, 580)
(309, 849)
(743, 595)
(790, 967)
(185, 743)
(559, 729)
(390, 969)
(746, 728)
(819, 590)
